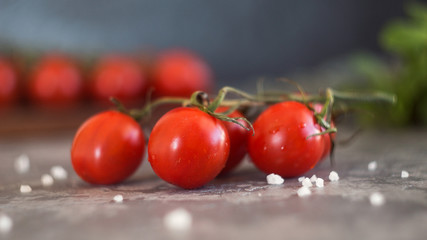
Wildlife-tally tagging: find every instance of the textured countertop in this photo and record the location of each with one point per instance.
(240, 206)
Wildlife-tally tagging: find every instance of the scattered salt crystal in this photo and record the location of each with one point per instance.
(6, 223)
(376, 199)
(25, 189)
(320, 183)
(372, 166)
(313, 178)
(118, 198)
(306, 182)
(404, 174)
(178, 220)
(274, 179)
(58, 173)
(22, 164)
(259, 194)
(333, 176)
(46, 180)
(304, 191)
(301, 178)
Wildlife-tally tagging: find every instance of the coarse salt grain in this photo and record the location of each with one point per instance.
(118, 198)
(306, 182)
(25, 189)
(313, 178)
(320, 183)
(58, 173)
(303, 192)
(6, 223)
(22, 164)
(274, 179)
(377, 199)
(372, 166)
(333, 176)
(178, 220)
(301, 178)
(404, 174)
(46, 180)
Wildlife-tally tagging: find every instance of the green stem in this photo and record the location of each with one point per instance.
(199, 99)
(273, 95)
(223, 92)
(120, 107)
(364, 97)
(138, 114)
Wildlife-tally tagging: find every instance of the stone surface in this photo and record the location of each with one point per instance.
(240, 206)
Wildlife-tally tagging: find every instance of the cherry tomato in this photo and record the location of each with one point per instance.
(281, 143)
(8, 83)
(179, 73)
(188, 147)
(107, 148)
(120, 77)
(238, 140)
(326, 137)
(56, 81)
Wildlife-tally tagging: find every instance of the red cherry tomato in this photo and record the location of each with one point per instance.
(56, 81)
(238, 140)
(107, 148)
(188, 147)
(8, 83)
(179, 73)
(120, 77)
(326, 137)
(281, 144)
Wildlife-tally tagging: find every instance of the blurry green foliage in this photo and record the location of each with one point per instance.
(406, 76)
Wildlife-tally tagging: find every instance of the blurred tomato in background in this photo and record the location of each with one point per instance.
(117, 76)
(179, 73)
(56, 81)
(8, 83)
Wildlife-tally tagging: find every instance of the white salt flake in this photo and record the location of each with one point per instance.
(118, 198)
(178, 220)
(301, 178)
(6, 223)
(313, 178)
(46, 180)
(306, 182)
(274, 179)
(404, 174)
(58, 173)
(259, 194)
(22, 164)
(304, 191)
(372, 166)
(25, 189)
(333, 176)
(320, 182)
(377, 199)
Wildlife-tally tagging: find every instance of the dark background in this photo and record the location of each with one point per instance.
(239, 39)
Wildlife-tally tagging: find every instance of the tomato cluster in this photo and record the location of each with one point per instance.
(58, 80)
(190, 146)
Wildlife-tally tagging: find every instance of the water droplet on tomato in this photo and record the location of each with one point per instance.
(282, 148)
(302, 125)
